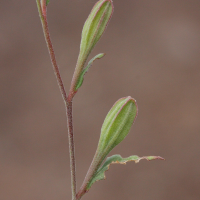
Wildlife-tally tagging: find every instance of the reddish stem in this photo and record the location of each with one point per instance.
(68, 101)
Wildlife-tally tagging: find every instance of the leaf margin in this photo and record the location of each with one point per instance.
(85, 70)
(117, 159)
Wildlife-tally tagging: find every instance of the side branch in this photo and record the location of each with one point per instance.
(43, 17)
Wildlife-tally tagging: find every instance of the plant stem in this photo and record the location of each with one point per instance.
(96, 162)
(71, 149)
(92, 170)
(43, 18)
(67, 101)
(79, 66)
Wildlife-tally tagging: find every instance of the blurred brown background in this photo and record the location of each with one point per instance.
(152, 52)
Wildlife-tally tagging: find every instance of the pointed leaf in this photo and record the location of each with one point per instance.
(81, 78)
(47, 2)
(117, 159)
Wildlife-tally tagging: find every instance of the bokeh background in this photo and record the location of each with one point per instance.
(152, 52)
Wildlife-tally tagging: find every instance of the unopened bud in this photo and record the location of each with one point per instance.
(95, 26)
(117, 124)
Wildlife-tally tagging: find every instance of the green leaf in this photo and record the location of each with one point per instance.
(84, 71)
(116, 159)
(47, 2)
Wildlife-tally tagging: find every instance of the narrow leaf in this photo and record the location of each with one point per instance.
(47, 2)
(116, 159)
(84, 71)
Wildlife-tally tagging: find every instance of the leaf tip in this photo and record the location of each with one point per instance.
(149, 158)
(47, 2)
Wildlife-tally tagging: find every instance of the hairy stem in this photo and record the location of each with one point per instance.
(43, 17)
(96, 162)
(67, 101)
(76, 75)
(71, 149)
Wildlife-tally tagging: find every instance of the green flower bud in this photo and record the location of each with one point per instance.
(94, 27)
(115, 128)
(117, 124)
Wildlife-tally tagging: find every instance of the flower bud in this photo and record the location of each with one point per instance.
(117, 124)
(94, 26)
